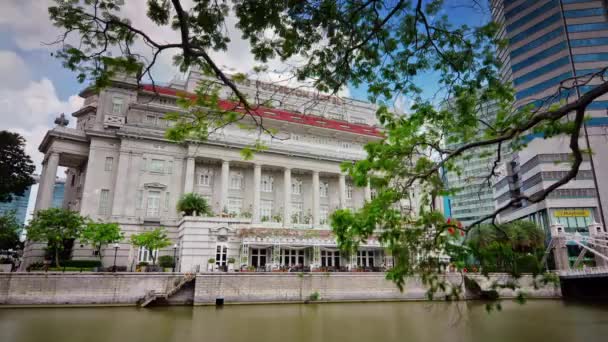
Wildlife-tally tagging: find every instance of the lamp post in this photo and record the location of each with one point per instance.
(115, 252)
(174, 256)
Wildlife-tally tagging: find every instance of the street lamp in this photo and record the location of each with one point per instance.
(115, 252)
(174, 256)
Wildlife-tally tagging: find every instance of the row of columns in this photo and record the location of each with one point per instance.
(257, 179)
(46, 184)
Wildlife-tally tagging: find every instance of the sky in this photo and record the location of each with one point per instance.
(35, 88)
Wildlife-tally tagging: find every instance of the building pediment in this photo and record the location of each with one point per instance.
(155, 186)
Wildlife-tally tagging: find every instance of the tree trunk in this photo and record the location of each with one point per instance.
(57, 257)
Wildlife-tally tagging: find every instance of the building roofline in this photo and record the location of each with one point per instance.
(280, 115)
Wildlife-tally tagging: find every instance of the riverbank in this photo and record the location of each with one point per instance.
(72, 288)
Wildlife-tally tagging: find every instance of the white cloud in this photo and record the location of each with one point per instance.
(29, 106)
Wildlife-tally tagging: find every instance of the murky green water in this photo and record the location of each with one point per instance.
(538, 321)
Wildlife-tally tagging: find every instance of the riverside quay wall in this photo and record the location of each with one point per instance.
(39, 288)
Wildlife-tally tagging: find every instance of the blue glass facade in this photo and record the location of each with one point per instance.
(563, 22)
(18, 205)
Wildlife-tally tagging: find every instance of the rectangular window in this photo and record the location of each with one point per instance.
(258, 257)
(117, 105)
(144, 164)
(324, 189)
(169, 167)
(151, 120)
(236, 181)
(167, 200)
(297, 212)
(221, 255)
(108, 164)
(157, 165)
(292, 257)
(330, 258)
(235, 205)
(365, 258)
(153, 207)
(139, 201)
(144, 255)
(324, 214)
(296, 186)
(204, 179)
(267, 183)
(104, 202)
(265, 210)
(349, 191)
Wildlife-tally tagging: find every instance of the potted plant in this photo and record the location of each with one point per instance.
(211, 264)
(231, 262)
(193, 203)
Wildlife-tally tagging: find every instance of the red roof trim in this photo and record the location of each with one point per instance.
(277, 114)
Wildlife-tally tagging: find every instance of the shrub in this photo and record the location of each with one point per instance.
(231, 260)
(35, 266)
(5, 261)
(166, 261)
(143, 263)
(192, 202)
(81, 263)
(211, 261)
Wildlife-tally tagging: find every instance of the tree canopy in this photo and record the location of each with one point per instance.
(100, 234)
(386, 46)
(10, 230)
(152, 240)
(16, 167)
(55, 226)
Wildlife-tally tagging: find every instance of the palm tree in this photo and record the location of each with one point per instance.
(192, 202)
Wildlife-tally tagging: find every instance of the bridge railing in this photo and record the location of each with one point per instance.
(584, 271)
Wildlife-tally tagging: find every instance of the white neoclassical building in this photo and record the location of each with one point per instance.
(271, 211)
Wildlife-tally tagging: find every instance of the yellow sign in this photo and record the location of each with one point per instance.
(572, 213)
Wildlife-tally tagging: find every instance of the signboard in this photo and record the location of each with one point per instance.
(572, 213)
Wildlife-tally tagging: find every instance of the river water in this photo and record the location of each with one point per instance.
(538, 321)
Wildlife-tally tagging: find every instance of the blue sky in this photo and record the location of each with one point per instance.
(36, 88)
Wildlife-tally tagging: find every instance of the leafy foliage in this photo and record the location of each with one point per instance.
(386, 46)
(10, 230)
(99, 234)
(192, 202)
(166, 261)
(55, 226)
(16, 166)
(152, 240)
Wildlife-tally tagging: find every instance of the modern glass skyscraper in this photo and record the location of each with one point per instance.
(18, 205)
(551, 41)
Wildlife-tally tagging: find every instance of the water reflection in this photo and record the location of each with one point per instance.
(548, 320)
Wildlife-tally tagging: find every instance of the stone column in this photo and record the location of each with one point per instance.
(257, 179)
(44, 199)
(121, 181)
(342, 190)
(189, 176)
(315, 199)
(597, 232)
(287, 197)
(560, 251)
(225, 178)
(368, 192)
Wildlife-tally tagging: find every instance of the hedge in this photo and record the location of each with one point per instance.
(80, 263)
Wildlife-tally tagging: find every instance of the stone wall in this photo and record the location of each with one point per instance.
(293, 287)
(83, 288)
(39, 288)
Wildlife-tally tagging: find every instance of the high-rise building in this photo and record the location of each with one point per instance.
(18, 205)
(550, 41)
(474, 197)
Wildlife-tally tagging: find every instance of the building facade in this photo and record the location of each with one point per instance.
(474, 198)
(269, 212)
(18, 206)
(550, 41)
